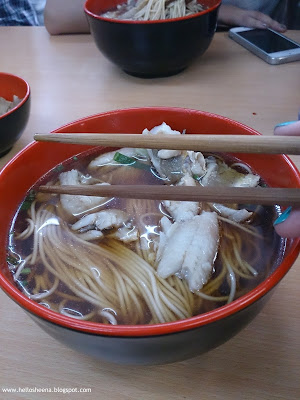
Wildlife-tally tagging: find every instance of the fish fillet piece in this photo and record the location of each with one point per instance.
(220, 174)
(197, 163)
(90, 226)
(162, 129)
(168, 163)
(183, 210)
(233, 214)
(101, 220)
(188, 249)
(76, 204)
(91, 235)
(165, 154)
(126, 234)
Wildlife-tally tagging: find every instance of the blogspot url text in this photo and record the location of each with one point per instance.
(62, 390)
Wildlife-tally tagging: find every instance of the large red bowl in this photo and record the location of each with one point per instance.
(143, 344)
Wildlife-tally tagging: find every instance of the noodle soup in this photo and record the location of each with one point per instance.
(115, 261)
(151, 10)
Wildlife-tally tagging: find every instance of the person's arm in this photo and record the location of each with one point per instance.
(65, 16)
(235, 16)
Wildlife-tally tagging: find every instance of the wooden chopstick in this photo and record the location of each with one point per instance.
(240, 195)
(203, 142)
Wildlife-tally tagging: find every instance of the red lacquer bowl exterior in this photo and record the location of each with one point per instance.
(13, 123)
(143, 344)
(150, 49)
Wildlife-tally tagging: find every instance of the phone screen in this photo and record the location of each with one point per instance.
(268, 40)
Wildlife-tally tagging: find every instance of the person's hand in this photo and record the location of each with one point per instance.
(235, 16)
(288, 224)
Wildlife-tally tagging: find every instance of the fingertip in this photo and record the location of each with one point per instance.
(282, 28)
(279, 27)
(290, 227)
(276, 26)
(291, 128)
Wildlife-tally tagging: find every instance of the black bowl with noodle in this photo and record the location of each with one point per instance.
(14, 109)
(152, 48)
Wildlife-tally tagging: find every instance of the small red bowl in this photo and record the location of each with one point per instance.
(13, 123)
(150, 49)
(143, 344)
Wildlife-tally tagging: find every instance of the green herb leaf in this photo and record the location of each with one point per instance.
(59, 168)
(125, 160)
(12, 260)
(26, 271)
(28, 200)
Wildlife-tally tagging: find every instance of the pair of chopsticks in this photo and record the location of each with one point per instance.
(204, 143)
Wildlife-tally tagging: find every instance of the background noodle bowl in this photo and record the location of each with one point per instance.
(155, 48)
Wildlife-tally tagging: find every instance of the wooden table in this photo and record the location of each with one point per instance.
(70, 79)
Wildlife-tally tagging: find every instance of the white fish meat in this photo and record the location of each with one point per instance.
(105, 219)
(168, 163)
(183, 210)
(231, 213)
(76, 205)
(91, 226)
(197, 163)
(220, 174)
(189, 249)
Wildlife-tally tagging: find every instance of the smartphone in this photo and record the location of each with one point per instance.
(267, 44)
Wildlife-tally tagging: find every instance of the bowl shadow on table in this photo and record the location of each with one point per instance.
(230, 366)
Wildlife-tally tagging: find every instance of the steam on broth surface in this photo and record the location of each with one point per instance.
(127, 261)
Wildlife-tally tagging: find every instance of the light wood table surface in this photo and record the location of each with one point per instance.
(70, 79)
